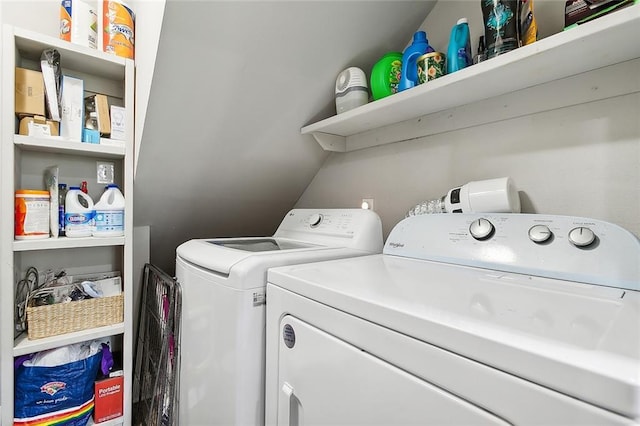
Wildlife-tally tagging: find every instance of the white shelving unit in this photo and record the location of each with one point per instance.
(609, 40)
(22, 163)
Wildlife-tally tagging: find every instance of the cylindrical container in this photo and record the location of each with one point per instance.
(118, 23)
(431, 66)
(500, 26)
(79, 214)
(31, 214)
(409, 74)
(481, 51)
(459, 50)
(385, 75)
(109, 221)
(79, 22)
(492, 195)
(351, 89)
(62, 195)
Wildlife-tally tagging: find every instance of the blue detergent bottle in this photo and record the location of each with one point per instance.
(459, 51)
(409, 73)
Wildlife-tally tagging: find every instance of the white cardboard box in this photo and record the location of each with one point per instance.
(72, 102)
(118, 123)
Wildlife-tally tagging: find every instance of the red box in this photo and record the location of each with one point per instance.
(108, 399)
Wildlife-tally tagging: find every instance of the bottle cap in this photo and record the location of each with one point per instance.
(419, 36)
(462, 21)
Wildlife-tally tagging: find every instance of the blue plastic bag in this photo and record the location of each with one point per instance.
(60, 395)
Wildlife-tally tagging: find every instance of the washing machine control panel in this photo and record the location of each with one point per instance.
(315, 219)
(564, 247)
(351, 228)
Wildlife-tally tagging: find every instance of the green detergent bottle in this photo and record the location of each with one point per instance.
(385, 75)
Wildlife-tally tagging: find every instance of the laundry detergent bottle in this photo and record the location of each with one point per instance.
(409, 74)
(79, 213)
(459, 51)
(109, 220)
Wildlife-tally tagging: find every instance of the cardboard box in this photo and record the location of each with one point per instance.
(72, 101)
(118, 123)
(101, 120)
(38, 126)
(29, 93)
(108, 399)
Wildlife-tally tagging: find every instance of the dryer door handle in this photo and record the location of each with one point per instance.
(290, 407)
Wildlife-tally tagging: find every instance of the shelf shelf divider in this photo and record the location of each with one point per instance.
(23, 345)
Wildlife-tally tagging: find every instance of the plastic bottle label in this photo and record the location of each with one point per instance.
(61, 222)
(109, 221)
(79, 222)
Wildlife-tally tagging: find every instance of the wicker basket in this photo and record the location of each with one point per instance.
(61, 318)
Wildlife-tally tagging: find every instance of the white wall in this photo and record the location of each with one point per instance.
(582, 160)
(42, 16)
(149, 16)
(234, 82)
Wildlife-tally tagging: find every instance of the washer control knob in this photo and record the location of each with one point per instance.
(481, 229)
(540, 233)
(315, 219)
(581, 236)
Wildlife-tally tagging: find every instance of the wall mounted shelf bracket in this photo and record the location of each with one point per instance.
(330, 142)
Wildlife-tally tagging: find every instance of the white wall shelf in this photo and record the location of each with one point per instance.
(609, 40)
(62, 146)
(23, 160)
(112, 422)
(75, 57)
(25, 346)
(65, 243)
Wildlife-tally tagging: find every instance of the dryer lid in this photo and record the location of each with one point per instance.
(579, 339)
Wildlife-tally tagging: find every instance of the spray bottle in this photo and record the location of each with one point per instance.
(409, 74)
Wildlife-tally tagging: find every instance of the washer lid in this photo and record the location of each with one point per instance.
(220, 254)
(259, 244)
(579, 339)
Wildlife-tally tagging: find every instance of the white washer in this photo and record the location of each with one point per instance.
(464, 319)
(223, 306)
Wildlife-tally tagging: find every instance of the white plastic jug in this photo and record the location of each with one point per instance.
(79, 213)
(110, 213)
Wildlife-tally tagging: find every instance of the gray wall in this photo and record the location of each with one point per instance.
(234, 81)
(582, 160)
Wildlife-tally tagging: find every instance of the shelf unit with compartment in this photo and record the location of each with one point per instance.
(22, 163)
(561, 70)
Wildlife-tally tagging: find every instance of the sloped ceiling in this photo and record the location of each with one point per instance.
(234, 81)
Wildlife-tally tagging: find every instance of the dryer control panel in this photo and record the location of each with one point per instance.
(564, 247)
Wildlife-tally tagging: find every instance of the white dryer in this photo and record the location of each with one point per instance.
(464, 319)
(223, 306)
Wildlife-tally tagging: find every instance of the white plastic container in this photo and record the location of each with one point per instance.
(110, 213)
(351, 89)
(31, 214)
(79, 215)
